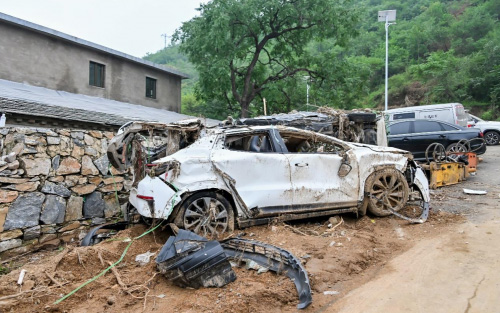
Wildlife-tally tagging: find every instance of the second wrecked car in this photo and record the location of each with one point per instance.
(211, 180)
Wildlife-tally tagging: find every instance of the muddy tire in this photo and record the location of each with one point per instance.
(207, 214)
(386, 188)
(370, 137)
(362, 117)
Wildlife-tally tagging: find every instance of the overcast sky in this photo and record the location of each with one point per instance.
(130, 26)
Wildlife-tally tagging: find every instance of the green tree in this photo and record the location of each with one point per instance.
(242, 48)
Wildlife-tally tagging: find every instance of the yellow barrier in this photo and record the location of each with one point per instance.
(444, 174)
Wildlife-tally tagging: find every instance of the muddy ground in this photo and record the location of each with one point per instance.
(339, 259)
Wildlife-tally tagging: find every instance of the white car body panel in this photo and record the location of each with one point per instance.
(453, 113)
(268, 180)
(486, 125)
(315, 180)
(152, 187)
(423, 184)
(274, 190)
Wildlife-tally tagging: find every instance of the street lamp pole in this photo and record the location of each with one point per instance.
(307, 86)
(387, 16)
(386, 61)
(307, 91)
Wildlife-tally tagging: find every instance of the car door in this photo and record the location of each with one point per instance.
(314, 166)
(400, 135)
(450, 131)
(424, 134)
(262, 176)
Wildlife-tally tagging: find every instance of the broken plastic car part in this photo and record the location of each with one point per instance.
(93, 237)
(192, 261)
(276, 259)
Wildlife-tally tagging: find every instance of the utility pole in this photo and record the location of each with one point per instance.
(387, 16)
(165, 36)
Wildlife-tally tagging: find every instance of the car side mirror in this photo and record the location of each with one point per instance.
(344, 169)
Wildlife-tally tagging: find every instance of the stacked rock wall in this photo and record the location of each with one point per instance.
(54, 184)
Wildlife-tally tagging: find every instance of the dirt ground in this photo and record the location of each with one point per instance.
(368, 264)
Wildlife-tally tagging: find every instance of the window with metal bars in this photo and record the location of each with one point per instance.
(150, 87)
(96, 74)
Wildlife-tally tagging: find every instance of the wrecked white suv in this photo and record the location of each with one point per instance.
(211, 180)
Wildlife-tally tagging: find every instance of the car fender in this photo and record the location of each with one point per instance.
(183, 193)
(421, 182)
(166, 197)
(371, 162)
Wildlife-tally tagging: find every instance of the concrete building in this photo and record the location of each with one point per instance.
(39, 56)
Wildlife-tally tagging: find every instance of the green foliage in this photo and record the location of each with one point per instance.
(439, 51)
(241, 48)
(488, 116)
(4, 270)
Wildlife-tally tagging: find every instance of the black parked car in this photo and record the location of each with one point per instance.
(416, 135)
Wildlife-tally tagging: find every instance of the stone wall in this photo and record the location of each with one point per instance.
(54, 184)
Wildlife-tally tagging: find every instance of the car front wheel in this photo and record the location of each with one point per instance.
(385, 189)
(207, 214)
(492, 138)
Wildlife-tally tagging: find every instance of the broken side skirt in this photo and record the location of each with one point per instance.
(274, 258)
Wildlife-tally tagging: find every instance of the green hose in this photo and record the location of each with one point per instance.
(114, 264)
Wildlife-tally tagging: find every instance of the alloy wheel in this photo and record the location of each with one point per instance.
(387, 189)
(491, 138)
(206, 216)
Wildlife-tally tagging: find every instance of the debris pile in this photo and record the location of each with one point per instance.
(138, 144)
(352, 126)
(193, 261)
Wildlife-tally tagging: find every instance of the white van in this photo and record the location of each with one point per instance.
(449, 112)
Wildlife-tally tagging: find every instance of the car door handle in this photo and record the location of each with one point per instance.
(301, 164)
(442, 136)
(406, 139)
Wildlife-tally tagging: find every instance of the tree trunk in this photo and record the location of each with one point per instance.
(244, 109)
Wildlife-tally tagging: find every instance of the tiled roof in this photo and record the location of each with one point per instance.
(38, 101)
(37, 109)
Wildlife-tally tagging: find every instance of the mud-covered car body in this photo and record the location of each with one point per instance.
(251, 175)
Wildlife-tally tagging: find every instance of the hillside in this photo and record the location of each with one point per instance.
(439, 51)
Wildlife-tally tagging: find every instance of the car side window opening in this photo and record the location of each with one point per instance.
(447, 127)
(399, 128)
(426, 127)
(303, 144)
(402, 116)
(249, 142)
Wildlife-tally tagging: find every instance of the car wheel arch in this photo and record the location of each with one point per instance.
(177, 218)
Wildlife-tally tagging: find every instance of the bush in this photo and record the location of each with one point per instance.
(488, 115)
